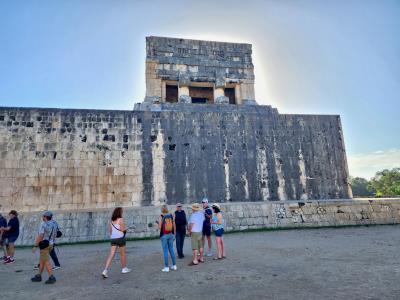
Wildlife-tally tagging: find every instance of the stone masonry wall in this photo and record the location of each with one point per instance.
(92, 225)
(196, 61)
(201, 60)
(61, 159)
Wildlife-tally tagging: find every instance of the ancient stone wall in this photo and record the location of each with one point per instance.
(92, 225)
(192, 62)
(62, 159)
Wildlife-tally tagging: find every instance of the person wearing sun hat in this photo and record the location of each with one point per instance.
(195, 231)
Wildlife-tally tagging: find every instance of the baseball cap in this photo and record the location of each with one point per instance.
(48, 214)
(179, 204)
(205, 200)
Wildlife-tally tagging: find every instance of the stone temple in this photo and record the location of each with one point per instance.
(198, 133)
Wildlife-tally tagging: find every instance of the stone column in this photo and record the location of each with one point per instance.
(183, 89)
(183, 94)
(219, 91)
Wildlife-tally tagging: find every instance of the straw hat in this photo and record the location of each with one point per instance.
(196, 206)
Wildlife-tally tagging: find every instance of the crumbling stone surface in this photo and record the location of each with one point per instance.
(92, 225)
(185, 99)
(84, 159)
(222, 100)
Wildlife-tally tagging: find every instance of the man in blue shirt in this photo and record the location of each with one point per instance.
(11, 235)
(207, 225)
(3, 223)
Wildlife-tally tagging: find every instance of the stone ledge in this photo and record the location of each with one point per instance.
(91, 225)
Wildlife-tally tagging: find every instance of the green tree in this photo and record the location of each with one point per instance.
(361, 187)
(386, 183)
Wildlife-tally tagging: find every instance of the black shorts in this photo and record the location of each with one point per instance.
(120, 242)
(207, 229)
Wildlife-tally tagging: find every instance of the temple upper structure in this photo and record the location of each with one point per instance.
(195, 71)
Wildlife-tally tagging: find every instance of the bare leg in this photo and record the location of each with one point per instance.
(123, 256)
(195, 261)
(209, 243)
(223, 247)
(201, 254)
(218, 242)
(41, 266)
(48, 267)
(10, 250)
(110, 256)
(4, 250)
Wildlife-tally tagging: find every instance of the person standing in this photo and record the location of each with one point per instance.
(11, 235)
(117, 239)
(53, 253)
(207, 225)
(45, 242)
(3, 224)
(181, 224)
(218, 223)
(166, 225)
(195, 231)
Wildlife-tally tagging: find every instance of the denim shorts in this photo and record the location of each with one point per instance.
(219, 232)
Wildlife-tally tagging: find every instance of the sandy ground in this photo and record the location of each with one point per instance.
(346, 263)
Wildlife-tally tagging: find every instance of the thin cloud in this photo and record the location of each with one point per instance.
(367, 164)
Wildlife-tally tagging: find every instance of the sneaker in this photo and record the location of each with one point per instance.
(56, 268)
(165, 269)
(209, 253)
(105, 274)
(36, 278)
(174, 267)
(51, 280)
(9, 261)
(126, 270)
(36, 267)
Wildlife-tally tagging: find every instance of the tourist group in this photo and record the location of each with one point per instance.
(173, 226)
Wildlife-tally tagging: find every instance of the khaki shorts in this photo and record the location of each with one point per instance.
(197, 242)
(45, 253)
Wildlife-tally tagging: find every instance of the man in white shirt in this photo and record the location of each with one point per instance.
(196, 232)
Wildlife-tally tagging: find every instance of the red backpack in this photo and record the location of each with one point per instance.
(167, 224)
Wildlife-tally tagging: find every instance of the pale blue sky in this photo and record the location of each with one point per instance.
(329, 57)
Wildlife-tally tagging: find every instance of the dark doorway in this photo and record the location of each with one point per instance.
(230, 93)
(199, 100)
(171, 93)
(201, 94)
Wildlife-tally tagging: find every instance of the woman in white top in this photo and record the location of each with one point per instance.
(117, 238)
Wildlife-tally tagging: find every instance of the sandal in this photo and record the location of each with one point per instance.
(192, 264)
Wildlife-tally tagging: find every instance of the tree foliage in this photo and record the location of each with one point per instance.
(386, 183)
(361, 187)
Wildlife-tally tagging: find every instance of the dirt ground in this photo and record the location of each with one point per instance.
(345, 263)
